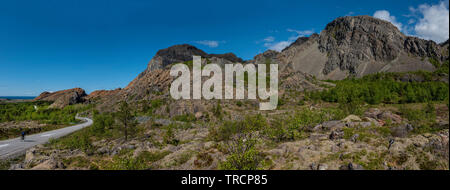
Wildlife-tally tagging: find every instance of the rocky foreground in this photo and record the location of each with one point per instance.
(381, 139)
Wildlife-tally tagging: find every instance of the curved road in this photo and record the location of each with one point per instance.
(14, 147)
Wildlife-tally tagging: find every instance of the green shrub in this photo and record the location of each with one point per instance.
(22, 111)
(149, 106)
(434, 62)
(243, 155)
(146, 156)
(185, 118)
(79, 140)
(384, 88)
(169, 136)
(127, 163)
(230, 128)
(278, 131)
(296, 126)
(420, 118)
(217, 110)
(103, 123)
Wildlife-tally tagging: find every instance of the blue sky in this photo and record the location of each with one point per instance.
(60, 44)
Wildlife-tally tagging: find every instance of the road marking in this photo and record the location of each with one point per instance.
(47, 135)
(3, 145)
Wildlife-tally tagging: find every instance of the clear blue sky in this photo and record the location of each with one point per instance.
(53, 45)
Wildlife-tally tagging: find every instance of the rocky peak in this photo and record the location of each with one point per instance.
(302, 40)
(174, 54)
(352, 40)
(182, 53)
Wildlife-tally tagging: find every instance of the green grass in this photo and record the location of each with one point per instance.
(23, 111)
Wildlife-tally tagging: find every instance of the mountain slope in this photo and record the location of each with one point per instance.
(357, 46)
(62, 98)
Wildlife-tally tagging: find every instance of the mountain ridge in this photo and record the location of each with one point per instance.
(348, 46)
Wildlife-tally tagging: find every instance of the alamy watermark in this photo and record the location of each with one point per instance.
(212, 88)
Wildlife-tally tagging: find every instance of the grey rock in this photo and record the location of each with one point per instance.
(351, 166)
(355, 137)
(143, 119)
(337, 134)
(322, 167)
(402, 130)
(103, 150)
(332, 125)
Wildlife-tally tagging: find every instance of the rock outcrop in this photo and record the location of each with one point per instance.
(63, 98)
(182, 53)
(174, 54)
(99, 94)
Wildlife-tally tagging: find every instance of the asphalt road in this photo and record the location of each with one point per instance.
(15, 147)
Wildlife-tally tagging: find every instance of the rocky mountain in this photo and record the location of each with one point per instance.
(357, 46)
(182, 53)
(63, 98)
(348, 46)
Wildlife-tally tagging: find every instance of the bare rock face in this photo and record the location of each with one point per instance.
(174, 54)
(444, 44)
(445, 48)
(182, 53)
(63, 98)
(349, 41)
(360, 45)
(100, 94)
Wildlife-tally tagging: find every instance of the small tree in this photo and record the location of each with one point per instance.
(126, 117)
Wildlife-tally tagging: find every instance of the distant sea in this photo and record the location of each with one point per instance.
(18, 97)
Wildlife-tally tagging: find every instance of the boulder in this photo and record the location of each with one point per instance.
(322, 167)
(329, 125)
(351, 118)
(336, 134)
(402, 130)
(387, 115)
(50, 164)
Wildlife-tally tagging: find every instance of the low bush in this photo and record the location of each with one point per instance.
(242, 154)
